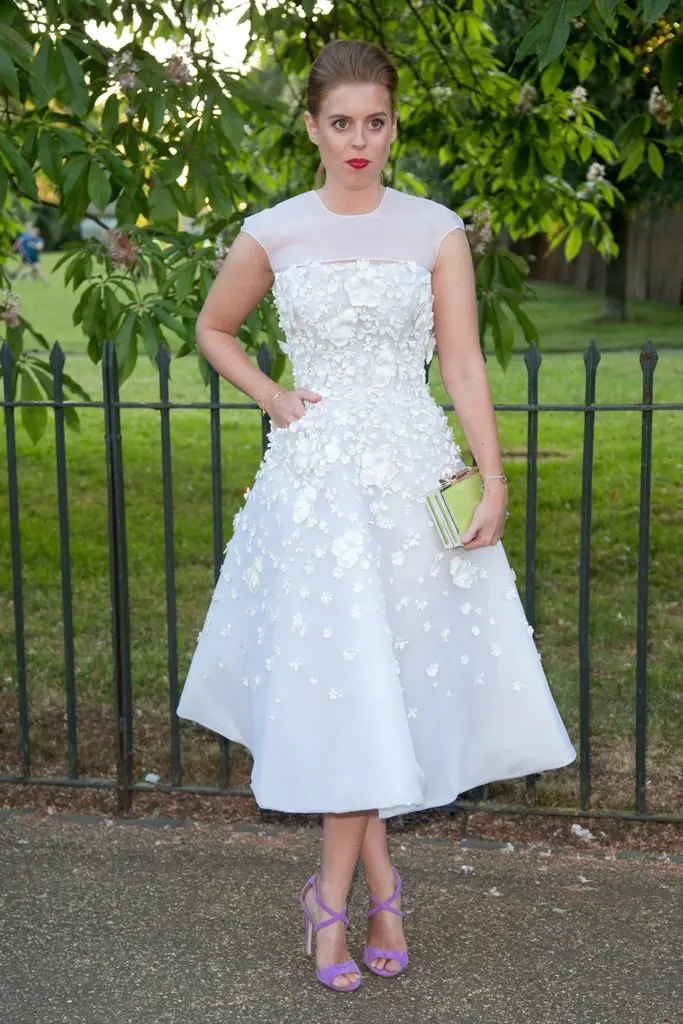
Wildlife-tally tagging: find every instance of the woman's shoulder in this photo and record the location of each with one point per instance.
(429, 210)
(281, 211)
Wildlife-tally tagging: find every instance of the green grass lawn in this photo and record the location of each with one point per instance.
(565, 316)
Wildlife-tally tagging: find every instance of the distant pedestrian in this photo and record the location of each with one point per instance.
(29, 244)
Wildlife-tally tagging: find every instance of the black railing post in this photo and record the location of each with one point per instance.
(7, 361)
(532, 359)
(57, 364)
(217, 510)
(163, 362)
(591, 359)
(118, 576)
(648, 361)
(264, 359)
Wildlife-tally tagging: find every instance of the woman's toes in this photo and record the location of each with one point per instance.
(344, 980)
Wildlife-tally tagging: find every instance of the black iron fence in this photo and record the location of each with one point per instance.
(123, 685)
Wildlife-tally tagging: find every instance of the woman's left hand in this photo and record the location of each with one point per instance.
(488, 521)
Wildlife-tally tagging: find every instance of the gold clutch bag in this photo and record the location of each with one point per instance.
(452, 505)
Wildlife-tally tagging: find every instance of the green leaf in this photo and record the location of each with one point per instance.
(48, 157)
(8, 74)
(162, 209)
(672, 67)
(78, 98)
(606, 9)
(655, 159)
(587, 60)
(632, 161)
(573, 244)
(41, 73)
(653, 9)
(110, 117)
(126, 348)
(18, 166)
(555, 33)
(551, 77)
(99, 188)
(34, 420)
(231, 123)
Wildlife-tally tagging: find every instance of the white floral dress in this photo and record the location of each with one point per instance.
(363, 665)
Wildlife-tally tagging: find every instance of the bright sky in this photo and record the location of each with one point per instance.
(230, 38)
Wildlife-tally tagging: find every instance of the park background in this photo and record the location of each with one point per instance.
(553, 128)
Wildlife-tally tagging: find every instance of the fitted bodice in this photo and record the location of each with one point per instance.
(356, 325)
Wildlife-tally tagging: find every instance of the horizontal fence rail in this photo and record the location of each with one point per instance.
(122, 678)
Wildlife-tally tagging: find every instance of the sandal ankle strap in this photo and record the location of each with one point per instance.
(380, 905)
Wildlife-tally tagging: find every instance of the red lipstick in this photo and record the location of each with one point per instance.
(358, 164)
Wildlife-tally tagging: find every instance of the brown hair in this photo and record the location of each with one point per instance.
(348, 61)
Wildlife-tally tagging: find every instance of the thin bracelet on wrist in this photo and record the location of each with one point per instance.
(259, 398)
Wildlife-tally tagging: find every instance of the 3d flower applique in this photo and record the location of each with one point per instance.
(356, 612)
(335, 694)
(445, 632)
(358, 586)
(377, 466)
(466, 608)
(448, 693)
(412, 712)
(492, 621)
(464, 658)
(403, 603)
(347, 548)
(463, 572)
(298, 624)
(479, 679)
(510, 593)
(338, 572)
(313, 680)
(326, 597)
(421, 604)
(349, 653)
(269, 664)
(398, 558)
(475, 630)
(304, 591)
(432, 669)
(384, 370)
(296, 664)
(494, 649)
(426, 626)
(400, 642)
(517, 685)
(245, 680)
(303, 505)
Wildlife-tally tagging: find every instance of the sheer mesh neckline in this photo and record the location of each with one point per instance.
(353, 216)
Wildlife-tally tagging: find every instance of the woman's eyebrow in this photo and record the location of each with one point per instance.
(379, 113)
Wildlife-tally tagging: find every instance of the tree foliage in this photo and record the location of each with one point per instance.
(176, 140)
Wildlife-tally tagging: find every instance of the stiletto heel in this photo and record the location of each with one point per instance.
(327, 975)
(370, 953)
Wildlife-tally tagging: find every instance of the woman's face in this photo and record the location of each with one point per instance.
(354, 131)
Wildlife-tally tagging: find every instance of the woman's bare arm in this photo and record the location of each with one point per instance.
(462, 365)
(463, 372)
(242, 281)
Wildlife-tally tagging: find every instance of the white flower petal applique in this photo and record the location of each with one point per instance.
(303, 505)
(432, 669)
(464, 658)
(347, 548)
(252, 575)
(466, 608)
(494, 649)
(397, 558)
(377, 467)
(516, 685)
(463, 572)
(384, 369)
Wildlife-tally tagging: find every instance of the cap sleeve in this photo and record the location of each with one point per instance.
(446, 222)
(259, 226)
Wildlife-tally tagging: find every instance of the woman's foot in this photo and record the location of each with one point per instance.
(385, 930)
(330, 942)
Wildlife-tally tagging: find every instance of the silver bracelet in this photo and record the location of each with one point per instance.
(495, 476)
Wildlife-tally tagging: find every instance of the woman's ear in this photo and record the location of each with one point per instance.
(311, 127)
(394, 130)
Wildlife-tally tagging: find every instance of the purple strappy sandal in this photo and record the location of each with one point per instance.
(327, 974)
(370, 953)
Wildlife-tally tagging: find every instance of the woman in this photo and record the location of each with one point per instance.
(369, 672)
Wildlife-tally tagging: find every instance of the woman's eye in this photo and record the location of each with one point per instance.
(377, 121)
(340, 120)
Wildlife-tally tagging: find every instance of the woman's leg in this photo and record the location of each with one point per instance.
(385, 930)
(342, 838)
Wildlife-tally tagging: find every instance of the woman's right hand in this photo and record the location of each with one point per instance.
(288, 406)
